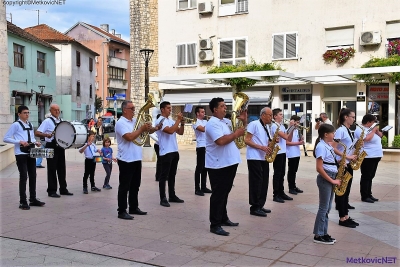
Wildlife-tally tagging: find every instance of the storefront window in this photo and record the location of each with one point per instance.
(378, 103)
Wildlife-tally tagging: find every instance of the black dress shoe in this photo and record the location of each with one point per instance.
(286, 197)
(293, 191)
(54, 195)
(219, 231)
(347, 223)
(369, 200)
(164, 202)
(298, 190)
(266, 210)
(137, 211)
(374, 199)
(278, 199)
(206, 190)
(125, 216)
(175, 199)
(67, 193)
(36, 202)
(353, 221)
(199, 193)
(229, 223)
(350, 207)
(258, 212)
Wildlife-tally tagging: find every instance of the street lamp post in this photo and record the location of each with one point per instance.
(146, 54)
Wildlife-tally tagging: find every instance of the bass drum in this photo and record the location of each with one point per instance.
(70, 134)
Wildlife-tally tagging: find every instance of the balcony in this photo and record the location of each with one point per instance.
(117, 63)
(118, 84)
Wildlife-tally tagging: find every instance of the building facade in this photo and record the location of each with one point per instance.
(76, 73)
(293, 34)
(112, 66)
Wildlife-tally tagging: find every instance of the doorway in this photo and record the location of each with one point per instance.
(300, 109)
(332, 109)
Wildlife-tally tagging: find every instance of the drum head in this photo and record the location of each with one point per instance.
(64, 134)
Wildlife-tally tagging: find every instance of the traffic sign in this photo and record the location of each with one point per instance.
(111, 98)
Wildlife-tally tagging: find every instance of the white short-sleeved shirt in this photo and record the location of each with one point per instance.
(200, 136)
(344, 135)
(47, 127)
(127, 150)
(218, 157)
(294, 151)
(282, 142)
(260, 137)
(326, 152)
(90, 151)
(16, 134)
(167, 142)
(373, 147)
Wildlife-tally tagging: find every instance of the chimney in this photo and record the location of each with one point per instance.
(118, 35)
(104, 27)
(113, 32)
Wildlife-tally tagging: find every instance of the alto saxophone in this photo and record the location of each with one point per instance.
(272, 145)
(361, 154)
(343, 175)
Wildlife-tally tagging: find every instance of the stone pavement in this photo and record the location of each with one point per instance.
(179, 235)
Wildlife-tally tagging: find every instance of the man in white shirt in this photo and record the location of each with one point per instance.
(129, 161)
(21, 135)
(293, 155)
(56, 165)
(323, 119)
(257, 139)
(222, 160)
(199, 130)
(169, 155)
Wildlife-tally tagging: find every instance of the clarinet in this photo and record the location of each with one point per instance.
(304, 145)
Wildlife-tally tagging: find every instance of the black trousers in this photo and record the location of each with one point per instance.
(130, 178)
(342, 202)
(90, 168)
(56, 168)
(293, 166)
(158, 165)
(26, 167)
(368, 171)
(200, 171)
(169, 164)
(258, 183)
(279, 173)
(221, 181)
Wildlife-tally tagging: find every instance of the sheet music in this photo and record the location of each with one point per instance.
(387, 128)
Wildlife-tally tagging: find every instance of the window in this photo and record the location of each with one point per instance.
(284, 46)
(232, 7)
(90, 64)
(18, 56)
(111, 53)
(116, 73)
(225, 2)
(90, 91)
(343, 37)
(78, 88)
(78, 58)
(233, 52)
(186, 54)
(40, 61)
(185, 4)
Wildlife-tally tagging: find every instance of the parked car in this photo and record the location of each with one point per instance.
(108, 124)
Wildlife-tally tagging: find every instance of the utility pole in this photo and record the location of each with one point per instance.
(38, 11)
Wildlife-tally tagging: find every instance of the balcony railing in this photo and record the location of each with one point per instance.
(117, 63)
(118, 84)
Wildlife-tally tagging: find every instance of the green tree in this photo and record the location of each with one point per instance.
(393, 60)
(98, 104)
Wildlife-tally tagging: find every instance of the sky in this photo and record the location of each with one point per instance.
(66, 13)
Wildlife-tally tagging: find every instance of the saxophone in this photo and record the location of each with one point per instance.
(241, 103)
(272, 145)
(343, 175)
(143, 118)
(356, 163)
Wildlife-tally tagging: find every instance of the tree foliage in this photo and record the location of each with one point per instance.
(98, 104)
(390, 61)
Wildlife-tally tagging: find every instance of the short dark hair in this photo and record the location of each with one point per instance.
(158, 116)
(164, 104)
(276, 111)
(197, 109)
(295, 118)
(368, 118)
(214, 103)
(91, 133)
(22, 108)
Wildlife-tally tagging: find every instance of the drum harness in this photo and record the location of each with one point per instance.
(53, 142)
(28, 148)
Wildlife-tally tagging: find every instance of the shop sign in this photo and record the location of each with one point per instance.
(360, 98)
(379, 92)
(286, 90)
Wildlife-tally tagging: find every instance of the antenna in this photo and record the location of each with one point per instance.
(10, 16)
(38, 11)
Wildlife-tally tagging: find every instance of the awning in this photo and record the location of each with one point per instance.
(182, 97)
(17, 93)
(111, 110)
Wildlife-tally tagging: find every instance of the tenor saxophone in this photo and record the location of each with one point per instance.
(361, 154)
(273, 146)
(343, 175)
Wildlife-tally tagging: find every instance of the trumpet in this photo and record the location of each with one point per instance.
(186, 119)
(301, 127)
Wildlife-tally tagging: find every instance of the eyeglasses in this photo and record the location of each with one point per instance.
(26, 112)
(132, 108)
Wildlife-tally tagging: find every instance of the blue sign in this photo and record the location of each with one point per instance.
(120, 95)
(111, 98)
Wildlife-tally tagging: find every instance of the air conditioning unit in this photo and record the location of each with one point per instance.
(206, 55)
(205, 44)
(205, 7)
(88, 107)
(370, 38)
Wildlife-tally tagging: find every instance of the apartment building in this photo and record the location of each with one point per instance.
(194, 35)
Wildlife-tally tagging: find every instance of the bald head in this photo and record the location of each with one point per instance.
(55, 110)
(266, 115)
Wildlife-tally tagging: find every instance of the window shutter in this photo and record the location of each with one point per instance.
(278, 46)
(240, 48)
(191, 54)
(339, 37)
(392, 30)
(242, 6)
(226, 49)
(181, 53)
(193, 3)
(291, 45)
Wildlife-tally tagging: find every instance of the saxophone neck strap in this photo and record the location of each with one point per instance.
(348, 131)
(265, 128)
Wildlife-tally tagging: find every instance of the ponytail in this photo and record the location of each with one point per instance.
(315, 145)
